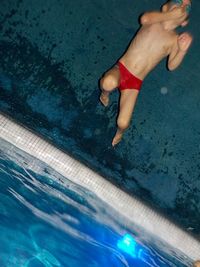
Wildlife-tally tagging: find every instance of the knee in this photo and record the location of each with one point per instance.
(122, 124)
(107, 82)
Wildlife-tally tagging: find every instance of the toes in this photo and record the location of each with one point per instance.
(116, 140)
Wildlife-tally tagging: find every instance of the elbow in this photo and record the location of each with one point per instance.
(144, 19)
(171, 67)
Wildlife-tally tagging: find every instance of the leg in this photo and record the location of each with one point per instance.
(108, 83)
(127, 103)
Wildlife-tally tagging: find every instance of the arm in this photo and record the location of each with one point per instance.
(179, 50)
(156, 16)
(153, 17)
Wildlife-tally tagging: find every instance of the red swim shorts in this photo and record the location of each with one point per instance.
(127, 79)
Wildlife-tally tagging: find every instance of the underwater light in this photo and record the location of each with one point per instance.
(128, 245)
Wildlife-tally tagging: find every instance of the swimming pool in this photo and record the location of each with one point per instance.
(51, 220)
(52, 56)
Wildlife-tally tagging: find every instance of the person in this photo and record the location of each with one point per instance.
(155, 40)
(196, 264)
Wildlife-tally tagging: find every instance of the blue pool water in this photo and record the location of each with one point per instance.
(47, 221)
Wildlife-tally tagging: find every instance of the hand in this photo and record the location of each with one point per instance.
(184, 41)
(178, 12)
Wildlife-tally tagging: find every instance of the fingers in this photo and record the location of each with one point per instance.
(179, 12)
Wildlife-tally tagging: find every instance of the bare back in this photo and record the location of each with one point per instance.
(151, 44)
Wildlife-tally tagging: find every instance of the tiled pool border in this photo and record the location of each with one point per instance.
(128, 206)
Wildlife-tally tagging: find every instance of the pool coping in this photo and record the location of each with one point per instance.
(141, 215)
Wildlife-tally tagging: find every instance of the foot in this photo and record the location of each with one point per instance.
(104, 99)
(117, 138)
(196, 264)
